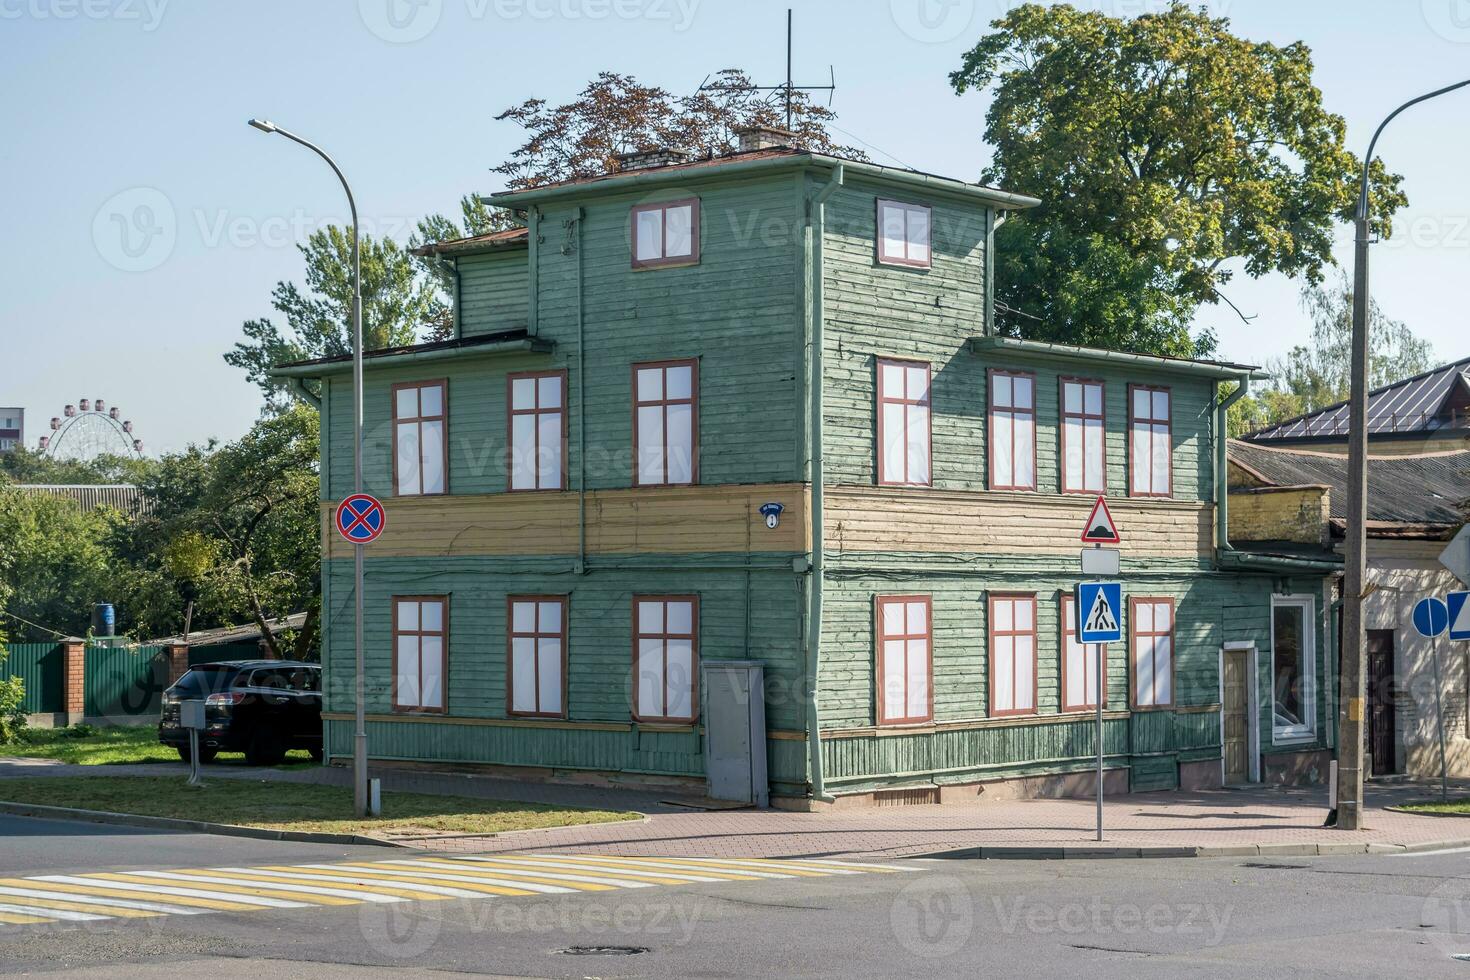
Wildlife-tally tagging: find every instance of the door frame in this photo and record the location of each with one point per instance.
(1252, 708)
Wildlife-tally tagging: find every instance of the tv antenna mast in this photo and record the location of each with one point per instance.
(788, 88)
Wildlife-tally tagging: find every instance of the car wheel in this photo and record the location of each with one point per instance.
(206, 756)
(265, 749)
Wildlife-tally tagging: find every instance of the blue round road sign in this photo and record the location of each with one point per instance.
(360, 518)
(1431, 616)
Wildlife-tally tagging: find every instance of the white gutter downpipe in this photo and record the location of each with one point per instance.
(817, 221)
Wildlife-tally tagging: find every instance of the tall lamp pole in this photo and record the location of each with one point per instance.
(359, 735)
(1354, 680)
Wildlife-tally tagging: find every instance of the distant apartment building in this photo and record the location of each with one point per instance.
(12, 428)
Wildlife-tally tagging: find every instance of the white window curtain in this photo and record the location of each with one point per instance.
(1083, 466)
(905, 643)
(1080, 688)
(1153, 652)
(666, 424)
(419, 649)
(665, 667)
(536, 656)
(537, 422)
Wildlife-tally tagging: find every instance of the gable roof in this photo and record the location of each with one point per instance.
(1411, 406)
(504, 239)
(1416, 490)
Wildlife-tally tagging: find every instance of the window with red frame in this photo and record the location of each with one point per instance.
(420, 446)
(420, 652)
(1012, 430)
(537, 656)
(1012, 655)
(665, 657)
(1079, 663)
(666, 423)
(1084, 449)
(666, 233)
(536, 406)
(1151, 629)
(1149, 432)
(903, 424)
(903, 234)
(905, 642)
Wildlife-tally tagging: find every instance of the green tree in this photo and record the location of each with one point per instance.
(398, 306)
(250, 541)
(54, 563)
(1314, 375)
(12, 700)
(616, 113)
(1165, 148)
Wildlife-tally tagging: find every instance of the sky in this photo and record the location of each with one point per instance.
(144, 222)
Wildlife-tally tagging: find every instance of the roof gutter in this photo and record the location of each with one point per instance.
(1037, 348)
(656, 176)
(1222, 465)
(818, 220)
(521, 346)
(297, 387)
(1277, 563)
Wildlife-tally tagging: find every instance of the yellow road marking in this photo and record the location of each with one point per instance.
(530, 884)
(673, 866)
(77, 906)
(336, 873)
(260, 895)
(17, 919)
(227, 883)
(611, 870)
(554, 875)
(173, 899)
(371, 891)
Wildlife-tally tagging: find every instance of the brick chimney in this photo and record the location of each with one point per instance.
(649, 159)
(764, 138)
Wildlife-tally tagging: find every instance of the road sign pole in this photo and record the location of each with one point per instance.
(1102, 659)
(1444, 783)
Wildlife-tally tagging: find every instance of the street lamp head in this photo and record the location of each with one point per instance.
(264, 125)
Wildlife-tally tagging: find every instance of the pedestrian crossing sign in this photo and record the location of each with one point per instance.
(1459, 609)
(1099, 605)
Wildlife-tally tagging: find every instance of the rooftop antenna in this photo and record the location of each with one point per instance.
(788, 88)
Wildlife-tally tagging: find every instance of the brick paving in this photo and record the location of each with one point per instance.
(1217, 818)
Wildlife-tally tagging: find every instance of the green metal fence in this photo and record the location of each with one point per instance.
(124, 683)
(214, 653)
(39, 665)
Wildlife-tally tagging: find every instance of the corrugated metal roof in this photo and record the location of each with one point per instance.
(1413, 405)
(235, 634)
(482, 340)
(123, 496)
(506, 238)
(1417, 490)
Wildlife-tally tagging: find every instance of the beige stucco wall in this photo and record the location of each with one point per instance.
(1404, 572)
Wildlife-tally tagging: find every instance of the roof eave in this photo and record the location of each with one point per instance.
(656, 176)
(525, 345)
(1035, 348)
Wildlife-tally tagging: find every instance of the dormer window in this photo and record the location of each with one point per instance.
(666, 234)
(903, 234)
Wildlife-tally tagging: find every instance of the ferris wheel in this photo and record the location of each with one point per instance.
(90, 429)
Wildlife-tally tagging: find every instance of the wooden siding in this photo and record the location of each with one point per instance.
(878, 310)
(744, 614)
(921, 520)
(494, 292)
(662, 520)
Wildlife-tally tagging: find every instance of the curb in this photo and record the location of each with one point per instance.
(188, 826)
(1066, 853)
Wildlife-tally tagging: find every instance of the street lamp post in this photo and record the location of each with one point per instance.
(1352, 710)
(359, 735)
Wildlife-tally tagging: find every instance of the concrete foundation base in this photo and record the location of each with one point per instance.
(1296, 768)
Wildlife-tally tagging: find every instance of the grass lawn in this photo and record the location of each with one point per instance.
(292, 806)
(108, 746)
(1460, 807)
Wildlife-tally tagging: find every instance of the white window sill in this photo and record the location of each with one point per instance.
(1292, 738)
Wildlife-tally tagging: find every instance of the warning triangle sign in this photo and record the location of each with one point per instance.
(1100, 619)
(1100, 528)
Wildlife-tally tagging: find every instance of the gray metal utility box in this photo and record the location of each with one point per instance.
(735, 731)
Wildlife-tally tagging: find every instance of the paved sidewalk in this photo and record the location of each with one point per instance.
(1276, 819)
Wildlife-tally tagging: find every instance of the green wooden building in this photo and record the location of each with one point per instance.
(754, 408)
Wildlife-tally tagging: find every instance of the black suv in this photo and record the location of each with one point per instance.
(260, 707)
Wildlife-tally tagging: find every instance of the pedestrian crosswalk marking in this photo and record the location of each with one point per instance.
(120, 895)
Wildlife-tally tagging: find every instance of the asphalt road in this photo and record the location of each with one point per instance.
(1375, 916)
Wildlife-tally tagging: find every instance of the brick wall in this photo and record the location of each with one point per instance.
(1297, 514)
